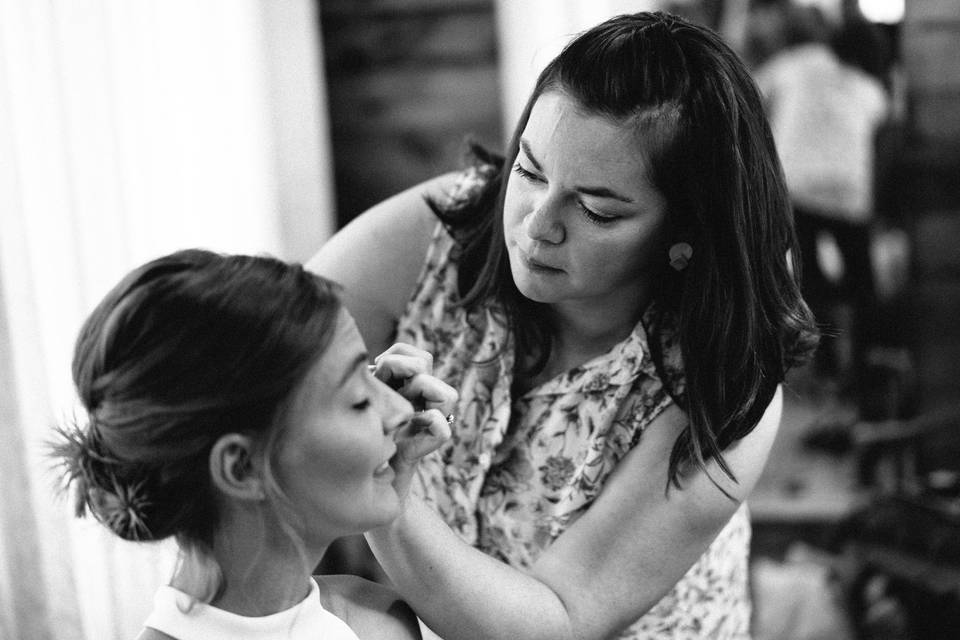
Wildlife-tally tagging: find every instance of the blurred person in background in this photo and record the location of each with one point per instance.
(826, 100)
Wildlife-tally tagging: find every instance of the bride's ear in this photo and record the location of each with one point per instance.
(233, 468)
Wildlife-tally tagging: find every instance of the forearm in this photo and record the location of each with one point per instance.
(459, 591)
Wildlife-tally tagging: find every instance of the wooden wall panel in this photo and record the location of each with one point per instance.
(930, 46)
(925, 191)
(404, 99)
(408, 40)
(941, 11)
(930, 52)
(408, 83)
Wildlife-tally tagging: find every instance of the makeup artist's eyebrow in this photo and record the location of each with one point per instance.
(526, 150)
(361, 359)
(598, 192)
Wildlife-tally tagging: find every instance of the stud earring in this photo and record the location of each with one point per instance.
(680, 254)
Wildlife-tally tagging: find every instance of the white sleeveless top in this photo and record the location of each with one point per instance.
(172, 614)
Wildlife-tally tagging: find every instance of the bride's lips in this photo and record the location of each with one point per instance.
(384, 468)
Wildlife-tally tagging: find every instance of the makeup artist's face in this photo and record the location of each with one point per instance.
(581, 220)
(333, 460)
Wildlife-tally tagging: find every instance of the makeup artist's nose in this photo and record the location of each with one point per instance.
(543, 223)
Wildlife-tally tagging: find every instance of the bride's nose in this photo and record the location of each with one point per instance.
(394, 409)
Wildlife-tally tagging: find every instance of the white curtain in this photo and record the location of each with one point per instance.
(128, 129)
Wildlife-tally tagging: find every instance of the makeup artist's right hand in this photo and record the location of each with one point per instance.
(409, 371)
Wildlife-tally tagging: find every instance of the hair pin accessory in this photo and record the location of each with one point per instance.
(680, 254)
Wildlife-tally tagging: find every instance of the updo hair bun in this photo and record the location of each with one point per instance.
(120, 504)
(183, 350)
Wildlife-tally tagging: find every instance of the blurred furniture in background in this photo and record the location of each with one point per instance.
(918, 190)
(906, 540)
(882, 499)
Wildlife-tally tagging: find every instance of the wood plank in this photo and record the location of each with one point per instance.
(939, 577)
(931, 10)
(381, 8)
(929, 55)
(936, 310)
(371, 167)
(386, 101)
(936, 236)
(423, 42)
(937, 115)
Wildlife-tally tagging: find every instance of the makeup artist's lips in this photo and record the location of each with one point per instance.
(537, 266)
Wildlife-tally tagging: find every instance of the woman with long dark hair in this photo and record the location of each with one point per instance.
(615, 302)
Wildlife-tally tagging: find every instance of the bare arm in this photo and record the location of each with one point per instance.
(611, 566)
(378, 256)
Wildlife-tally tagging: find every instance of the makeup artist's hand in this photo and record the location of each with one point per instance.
(409, 371)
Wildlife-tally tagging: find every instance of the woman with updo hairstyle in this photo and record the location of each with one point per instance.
(616, 301)
(229, 405)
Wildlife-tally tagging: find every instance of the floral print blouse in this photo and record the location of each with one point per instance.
(518, 471)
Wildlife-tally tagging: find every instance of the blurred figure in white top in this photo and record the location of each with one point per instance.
(826, 99)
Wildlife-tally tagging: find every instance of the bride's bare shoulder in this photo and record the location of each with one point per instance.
(370, 609)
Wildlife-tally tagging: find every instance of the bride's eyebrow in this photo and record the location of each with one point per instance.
(597, 192)
(360, 359)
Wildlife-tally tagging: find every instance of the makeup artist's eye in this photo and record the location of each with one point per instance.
(526, 174)
(595, 217)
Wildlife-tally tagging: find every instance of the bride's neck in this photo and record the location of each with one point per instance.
(245, 576)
